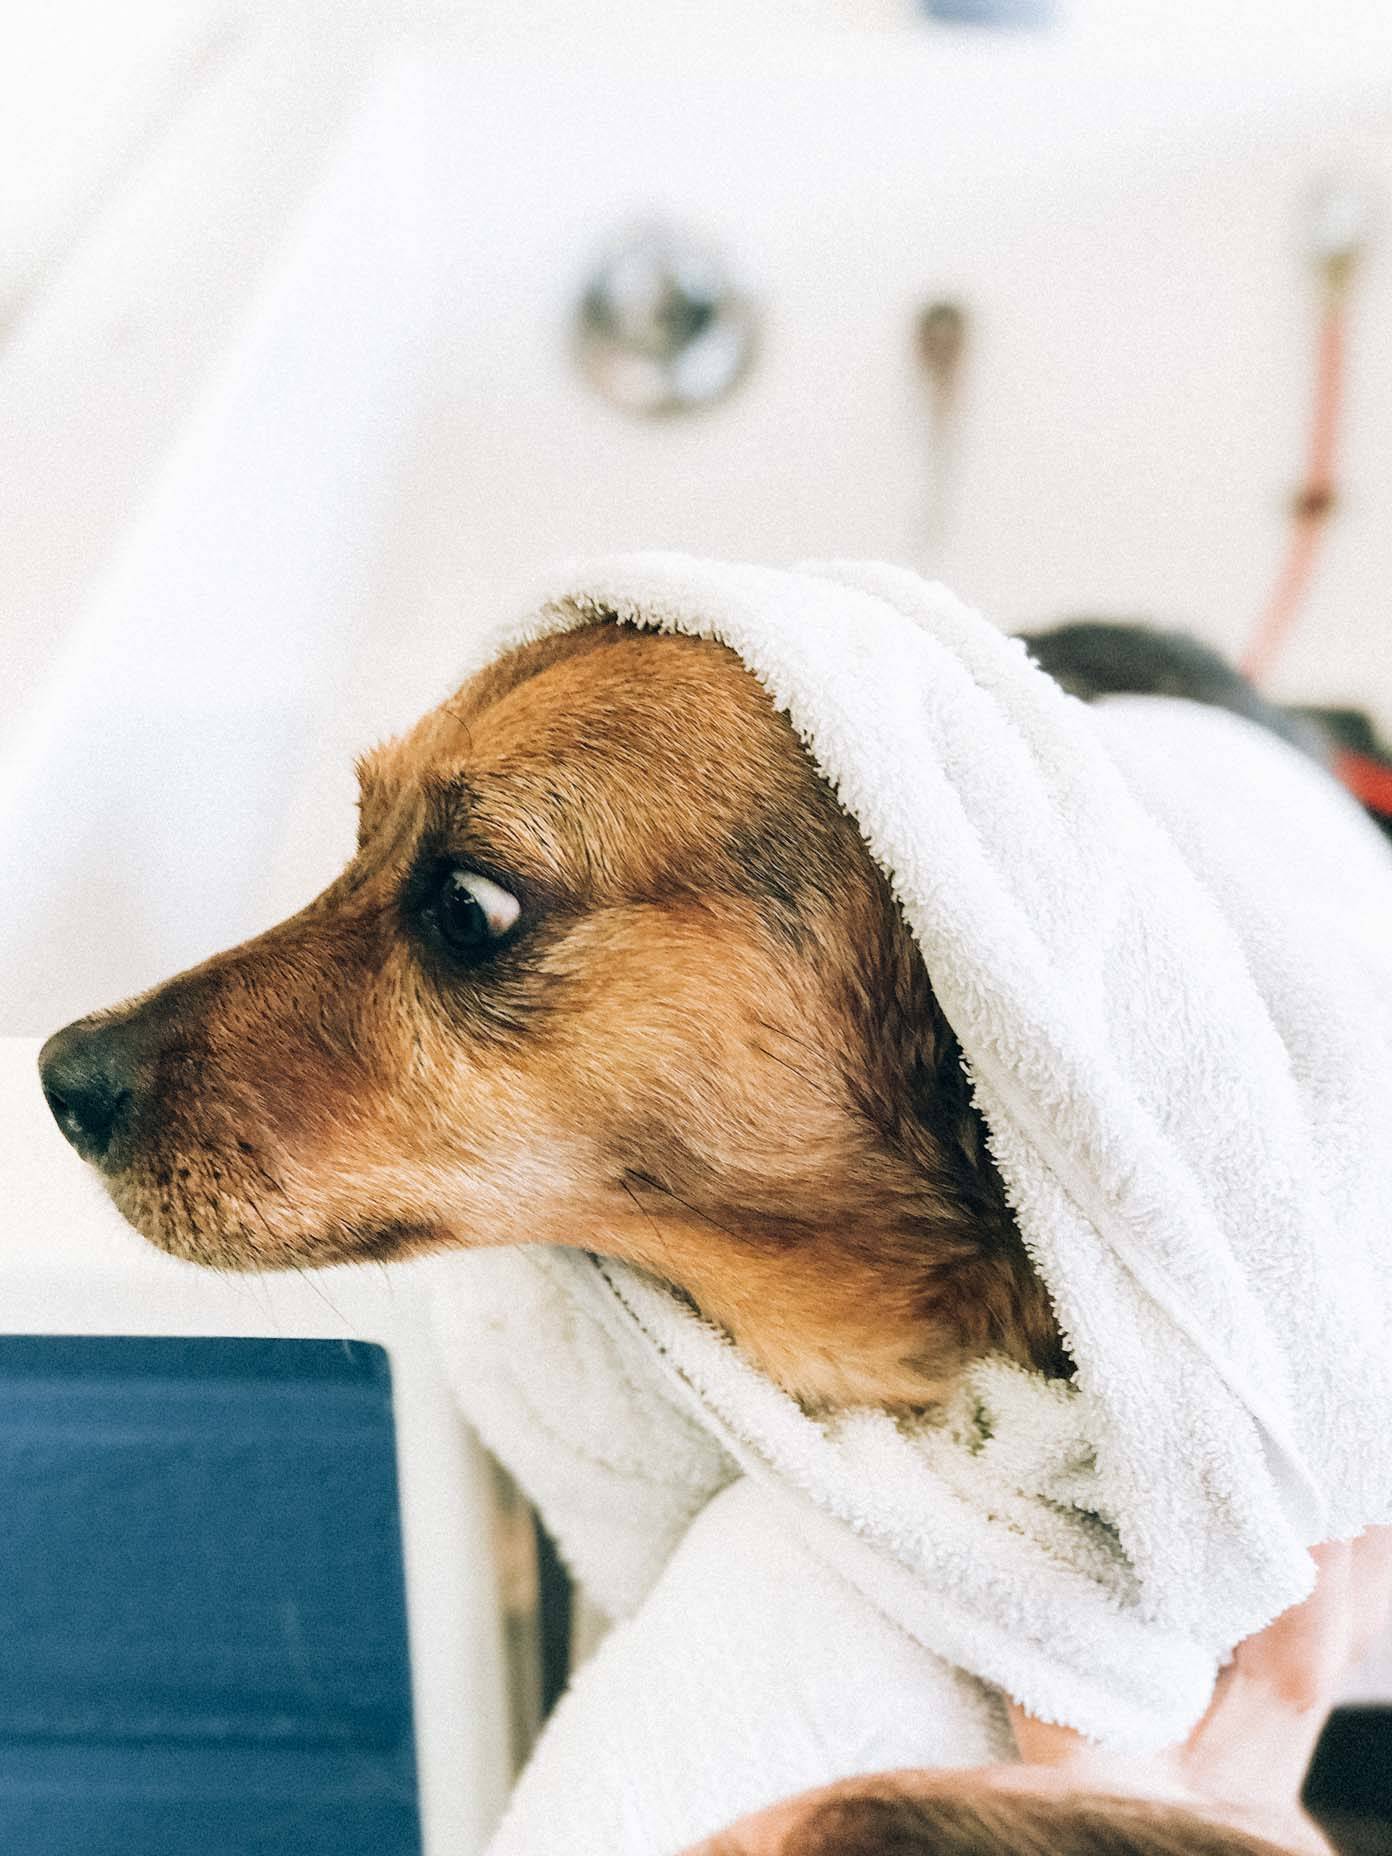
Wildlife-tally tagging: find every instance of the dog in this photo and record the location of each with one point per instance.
(609, 968)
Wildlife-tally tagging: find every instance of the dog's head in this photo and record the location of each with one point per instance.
(610, 968)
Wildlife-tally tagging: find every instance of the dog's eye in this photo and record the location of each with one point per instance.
(470, 911)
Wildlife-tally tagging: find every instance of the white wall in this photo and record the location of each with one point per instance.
(1140, 362)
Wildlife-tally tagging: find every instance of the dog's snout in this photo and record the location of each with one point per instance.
(88, 1076)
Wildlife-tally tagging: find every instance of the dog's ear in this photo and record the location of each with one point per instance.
(985, 1287)
(943, 1212)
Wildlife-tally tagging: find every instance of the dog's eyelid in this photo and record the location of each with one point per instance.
(456, 832)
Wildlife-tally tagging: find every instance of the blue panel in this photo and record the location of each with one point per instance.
(202, 1607)
(993, 12)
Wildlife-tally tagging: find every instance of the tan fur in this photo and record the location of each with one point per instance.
(710, 1049)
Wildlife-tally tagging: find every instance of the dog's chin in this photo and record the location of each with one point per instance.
(239, 1237)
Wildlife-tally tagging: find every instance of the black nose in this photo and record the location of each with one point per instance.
(87, 1072)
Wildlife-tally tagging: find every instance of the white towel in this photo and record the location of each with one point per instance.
(752, 1672)
(1164, 941)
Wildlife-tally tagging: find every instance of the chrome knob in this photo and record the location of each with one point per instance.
(661, 325)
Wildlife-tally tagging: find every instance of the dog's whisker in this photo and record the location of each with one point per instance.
(790, 1037)
(268, 1179)
(303, 1274)
(238, 1280)
(645, 1180)
(793, 1069)
(645, 1213)
(260, 1291)
(781, 1031)
(307, 1279)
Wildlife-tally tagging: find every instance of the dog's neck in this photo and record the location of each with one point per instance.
(882, 1311)
(877, 1282)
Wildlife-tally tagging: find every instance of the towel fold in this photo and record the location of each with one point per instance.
(752, 1672)
(1164, 942)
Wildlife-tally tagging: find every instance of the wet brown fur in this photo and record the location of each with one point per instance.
(709, 1047)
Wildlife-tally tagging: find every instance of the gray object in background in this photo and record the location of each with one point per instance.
(993, 12)
(662, 326)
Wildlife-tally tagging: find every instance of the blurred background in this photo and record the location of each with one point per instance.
(321, 324)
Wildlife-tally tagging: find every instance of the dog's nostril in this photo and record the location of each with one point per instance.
(88, 1115)
(85, 1087)
(88, 1121)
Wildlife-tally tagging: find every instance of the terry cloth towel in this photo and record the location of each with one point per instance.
(751, 1672)
(1164, 941)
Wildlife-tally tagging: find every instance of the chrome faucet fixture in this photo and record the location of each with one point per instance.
(661, 326)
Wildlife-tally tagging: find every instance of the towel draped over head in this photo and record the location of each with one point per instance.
(1164, 942)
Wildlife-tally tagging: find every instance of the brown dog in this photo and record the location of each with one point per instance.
(611, 968)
